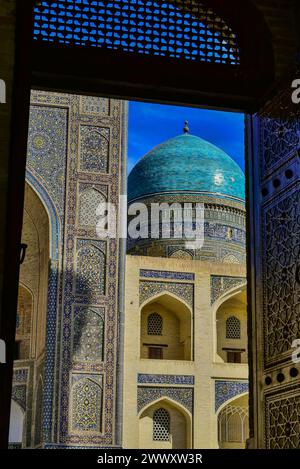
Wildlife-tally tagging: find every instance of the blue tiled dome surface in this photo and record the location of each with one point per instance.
(186, 164)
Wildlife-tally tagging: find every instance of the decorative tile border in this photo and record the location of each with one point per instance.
(226, 390)
(167, 275)
(165, 379)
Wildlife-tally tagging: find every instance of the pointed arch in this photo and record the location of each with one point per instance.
(17, 420)
(240, 290)
(173, 337)
(233, 423)
(177, 422)
(165, 293)
(51, 322)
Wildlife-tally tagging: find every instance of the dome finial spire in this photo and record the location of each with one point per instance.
(186, 129)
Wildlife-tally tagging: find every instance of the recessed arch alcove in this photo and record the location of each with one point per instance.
(166, 328)
(165, 424)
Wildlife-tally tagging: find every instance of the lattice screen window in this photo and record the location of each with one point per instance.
(233, 424)
(182, 29)
(233, 328)
(155, 324)
(161, 425)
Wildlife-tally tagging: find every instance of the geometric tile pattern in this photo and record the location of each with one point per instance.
(89, 201)
(47, 150)
(88, 334)
(181, 290)
(220, 285)
(86, 406)
(94, 148)
(86, 272)
(94, 106)
(280, 265)
(183, 396)
(90, 272)
(283, 421)
(19, 395)
(225, 390)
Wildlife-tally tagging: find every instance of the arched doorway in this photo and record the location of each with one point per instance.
(166, 329)
(231, 328)
(164, 425)
(233, 424)
(16, 427)
(31, 320)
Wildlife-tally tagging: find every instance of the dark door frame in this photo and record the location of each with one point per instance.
(54, 70)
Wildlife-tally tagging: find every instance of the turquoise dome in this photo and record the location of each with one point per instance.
(186, 164)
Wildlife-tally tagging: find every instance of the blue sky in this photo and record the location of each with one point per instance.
(151, 124)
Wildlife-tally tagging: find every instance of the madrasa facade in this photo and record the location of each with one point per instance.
(137, 343)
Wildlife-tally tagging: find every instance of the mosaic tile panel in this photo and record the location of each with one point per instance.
(165, 379)
(47, 150)
(91, 270)
(94, 148)
(146, 395)
(220, 285)
(92, 105)
(182, 254)
(19, 395)
(88, 334)
(225, 390)
(79, 112)
(86, 406)
(181, 290)
(89, 201)
(109, 298)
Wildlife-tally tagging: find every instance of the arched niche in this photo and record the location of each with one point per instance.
(34, 271)
(233, 424)
(164, 424)
(231, 328)
(16, 425)
(172, 340)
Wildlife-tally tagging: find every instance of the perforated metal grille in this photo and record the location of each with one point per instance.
(155, 324)
(233, 328)
(161, 425)
(185, 29)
